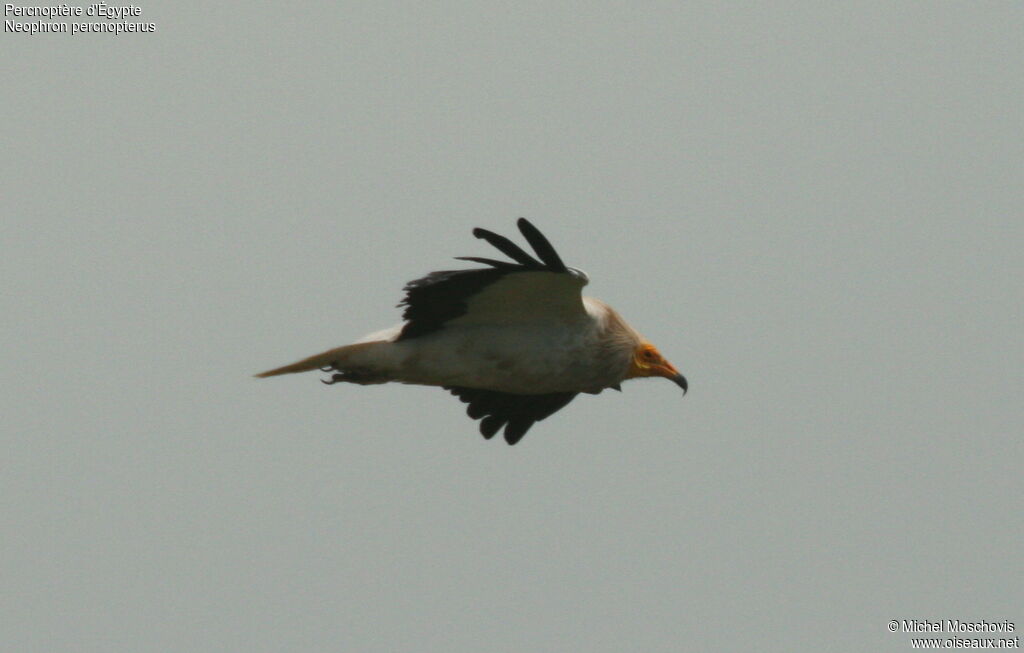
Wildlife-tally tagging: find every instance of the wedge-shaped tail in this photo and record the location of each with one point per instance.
(326, 359)
(359, 363)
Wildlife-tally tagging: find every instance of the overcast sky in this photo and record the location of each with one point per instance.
(813, 209)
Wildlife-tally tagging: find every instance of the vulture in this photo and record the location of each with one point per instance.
(515, 340)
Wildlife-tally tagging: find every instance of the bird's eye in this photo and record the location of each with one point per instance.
(648, 354)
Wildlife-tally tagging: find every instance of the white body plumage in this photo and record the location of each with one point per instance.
(585, 353)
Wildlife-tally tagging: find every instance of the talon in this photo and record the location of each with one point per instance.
(336, 378)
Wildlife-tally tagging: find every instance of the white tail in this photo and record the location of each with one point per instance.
(332, 357)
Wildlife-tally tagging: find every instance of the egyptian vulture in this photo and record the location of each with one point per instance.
(515, 339)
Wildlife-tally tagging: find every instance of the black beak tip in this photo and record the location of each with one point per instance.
(680, 381)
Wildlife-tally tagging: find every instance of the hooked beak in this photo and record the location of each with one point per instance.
(680, 381)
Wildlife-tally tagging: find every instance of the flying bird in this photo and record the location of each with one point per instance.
(515, 340)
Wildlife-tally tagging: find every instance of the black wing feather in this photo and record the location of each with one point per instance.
(441, 296)
(517, 413)
(502, 265)
(433, 300)
(508, 248)
(541, 245)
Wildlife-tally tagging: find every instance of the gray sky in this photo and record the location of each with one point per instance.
(814, 210)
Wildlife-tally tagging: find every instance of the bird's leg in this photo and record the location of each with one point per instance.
(361, 376)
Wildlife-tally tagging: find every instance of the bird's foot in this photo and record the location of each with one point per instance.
(360, 376)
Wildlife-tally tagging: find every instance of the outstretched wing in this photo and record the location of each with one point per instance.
(517, 413)
(526, 289)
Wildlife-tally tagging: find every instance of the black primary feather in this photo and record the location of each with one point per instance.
(501, 265)
(517, 413)
(433, 300)
(541, 245)
(508, 248)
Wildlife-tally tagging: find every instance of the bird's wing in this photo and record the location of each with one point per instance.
(523, 290)
(517, 413)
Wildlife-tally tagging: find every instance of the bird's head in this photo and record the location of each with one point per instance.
(648, 361)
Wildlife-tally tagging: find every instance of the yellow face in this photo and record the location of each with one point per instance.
(648, 361)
